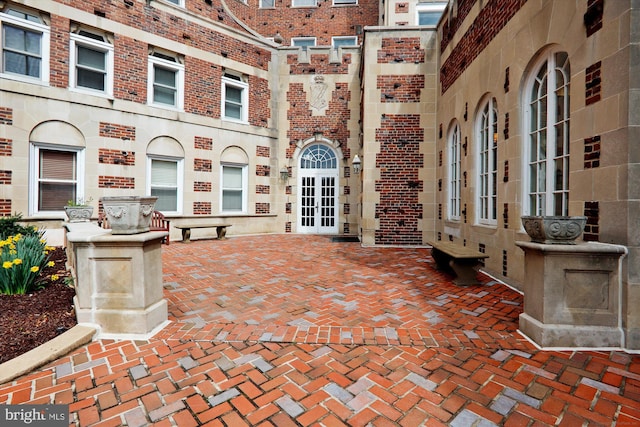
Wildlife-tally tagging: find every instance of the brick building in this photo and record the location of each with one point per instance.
(252, 112)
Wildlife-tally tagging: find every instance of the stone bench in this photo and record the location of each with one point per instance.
(462, 260)
(221, 230)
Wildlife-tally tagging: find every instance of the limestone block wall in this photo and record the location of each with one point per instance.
(480, 61)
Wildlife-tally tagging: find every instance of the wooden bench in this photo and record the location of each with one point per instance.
(461, 260)
(158, 223)
(221, 230)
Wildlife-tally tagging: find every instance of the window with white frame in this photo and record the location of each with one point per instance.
(165, 182)
(546, 119)
(487, 134)
(166, 81)
(25, 45)
(454, 173)
(177, 2)
(304, 3)
(429, 13)
(344, 2)
(91, 59)
(344, 41)
(303, 42)
(267, 4)
(235, 97)
(234, 188)
(56, 177)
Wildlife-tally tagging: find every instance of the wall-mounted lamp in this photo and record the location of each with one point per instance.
(284, 174)
(356, 164)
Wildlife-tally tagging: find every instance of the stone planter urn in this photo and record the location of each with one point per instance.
(129, 214)
(554, 230)
(80, 213)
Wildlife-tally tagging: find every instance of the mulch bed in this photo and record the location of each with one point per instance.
(27, 321)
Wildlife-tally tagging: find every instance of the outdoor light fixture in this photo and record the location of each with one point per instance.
(284, 174)
(357, 164)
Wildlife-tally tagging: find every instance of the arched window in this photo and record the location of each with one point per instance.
(487, 133)
(165, 173)
(547, 132)
(454, 172)
(318, 156)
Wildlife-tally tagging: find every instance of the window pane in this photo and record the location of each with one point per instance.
(165, 77)
(233, 94)
(267, 3)
(346, 41)
(164, 173)
(428, 18)
(90, 79)
(167, 198)
(58, 165)
(231, 200)
(91, 58)
(304, 3)
(232, 177)
(54, 196)
(163, 95)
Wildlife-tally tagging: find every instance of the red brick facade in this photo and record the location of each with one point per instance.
(111, 130)
(6, 147)
(203, 143)
(6, 116)
(400, 88)
(116, 157)
(492, 18)
(399, 161)
(202, 208)
(116, 182)
(202, 165)
(399, 50)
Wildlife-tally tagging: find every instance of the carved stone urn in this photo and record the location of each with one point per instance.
(554, 230)
(129, 214)
(80, 213)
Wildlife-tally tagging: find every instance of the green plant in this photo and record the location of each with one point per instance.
(22, 258)
(9, 227)
(79, 202)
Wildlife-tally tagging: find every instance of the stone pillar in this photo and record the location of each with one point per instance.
(118, 280)
(572, 294)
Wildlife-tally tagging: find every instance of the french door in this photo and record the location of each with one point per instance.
(318, 191)
(318, 204)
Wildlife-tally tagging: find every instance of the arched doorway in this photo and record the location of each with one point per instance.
(318, 190)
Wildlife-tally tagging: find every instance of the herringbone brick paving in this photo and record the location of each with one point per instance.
(296, 330)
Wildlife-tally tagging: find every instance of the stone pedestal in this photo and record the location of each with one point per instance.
(118, 280)
(572, 294)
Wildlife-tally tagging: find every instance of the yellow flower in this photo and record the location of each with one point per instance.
(54, 277)
(17, 261)
(51, 264)
(35, 269)
(7, 264)
(12, 252)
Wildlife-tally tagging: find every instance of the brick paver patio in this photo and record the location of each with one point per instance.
(290, 330)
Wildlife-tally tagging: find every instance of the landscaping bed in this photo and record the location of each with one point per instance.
(27, 321)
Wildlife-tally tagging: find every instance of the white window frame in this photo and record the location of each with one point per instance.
(294, 40)
(45, 40)
(345, 2)
(453, 173)
(335, 38)
(245, 186)
(179, 3)
(228, 80)
(272, 6)
(429, 8)
(304, 3)
(34, 176)
(179, 178)
(104, 47)
(539, 189)
(174, 66)
(487, 159)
